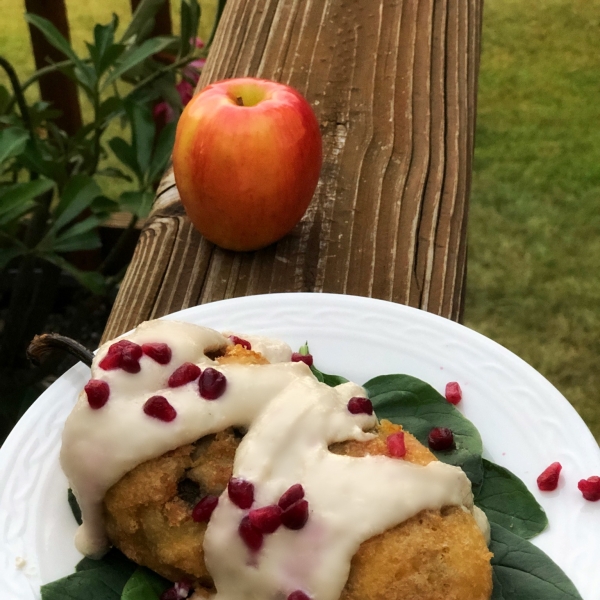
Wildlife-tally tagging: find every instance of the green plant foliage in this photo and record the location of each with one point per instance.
(506, 501)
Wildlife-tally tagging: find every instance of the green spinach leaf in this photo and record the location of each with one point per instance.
(418, 407)
(523, 572)
(507, 502)
(93, 579)
(144, 585)
(330, 380)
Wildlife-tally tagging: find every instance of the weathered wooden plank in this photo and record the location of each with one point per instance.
(393, 85)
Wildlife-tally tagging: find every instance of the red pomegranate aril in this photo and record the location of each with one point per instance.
(290, 496)
(238, 341)
(159, 352)
(110, 362)
(97, 392)
(307, 359)
(298, 595)
(241, 492)
(179, 591)
(548, 480)
(122, 355)
(212, 384)
(204, 509)
(395, 444)
(359, 406)
(266, 519)
(158, 407)
(296, 515)
(251, 536)
(186, 373)
(441, 438)
(590, 488)
(453, 392)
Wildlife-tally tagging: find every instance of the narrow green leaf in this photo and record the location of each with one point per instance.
(103, 40)
(54, 36)
(16, 213)
(114, 173)
(93, 281)
(77, 195)
(17, 199)
(125, 153)
(418, 407)
(104, 205)
(506, 501)
(136, 55)
(523, 572)
(142, 20)
(143, 130)
(7, 254)
(138, 203)
(12, 142)
(144, 585)
(84, 226)
(162, 151)
(89, 240)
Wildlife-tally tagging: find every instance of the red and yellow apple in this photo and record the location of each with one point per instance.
(247, 159)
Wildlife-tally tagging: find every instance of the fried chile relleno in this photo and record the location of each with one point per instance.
(436, 555)
(302, 489)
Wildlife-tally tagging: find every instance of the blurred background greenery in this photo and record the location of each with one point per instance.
(533, 281)
(534, 233)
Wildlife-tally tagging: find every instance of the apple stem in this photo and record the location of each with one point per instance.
(239, 101)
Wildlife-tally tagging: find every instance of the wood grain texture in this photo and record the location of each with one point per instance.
(393, 84)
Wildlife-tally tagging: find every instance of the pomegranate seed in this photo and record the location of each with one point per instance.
(122, 355)
(395, 444)
(292, 495)
(251, 536)
(212, 384)
(266, 519)
(307, 359)
(440, 438)
(159, 408)
(590, 488)
(548, 480)
(204, 509)
(296, 515)
(359, 405)
(159, 352)
(186, 373)
(238, 341)
(298, 595)
(241, 492)
(179, 591)
(453, 392)
(97, 393)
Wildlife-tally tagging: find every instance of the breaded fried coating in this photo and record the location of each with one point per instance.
(436, 555)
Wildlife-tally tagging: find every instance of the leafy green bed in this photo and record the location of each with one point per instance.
(520, 570)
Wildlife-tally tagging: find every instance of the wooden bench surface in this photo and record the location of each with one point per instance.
(393, 84)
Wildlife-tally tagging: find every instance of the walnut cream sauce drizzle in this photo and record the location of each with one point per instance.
(291, 420)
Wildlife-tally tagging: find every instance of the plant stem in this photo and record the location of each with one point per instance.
(18, 94)
(119, 246)
(160, 72)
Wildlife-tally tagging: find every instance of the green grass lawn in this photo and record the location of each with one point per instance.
(534, 247)
(534, 233)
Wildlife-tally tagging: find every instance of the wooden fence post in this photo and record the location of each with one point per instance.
(55, 87)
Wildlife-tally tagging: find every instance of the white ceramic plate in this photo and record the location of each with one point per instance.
(525, 423)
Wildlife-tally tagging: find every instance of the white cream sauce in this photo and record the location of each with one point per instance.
(291, 420)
